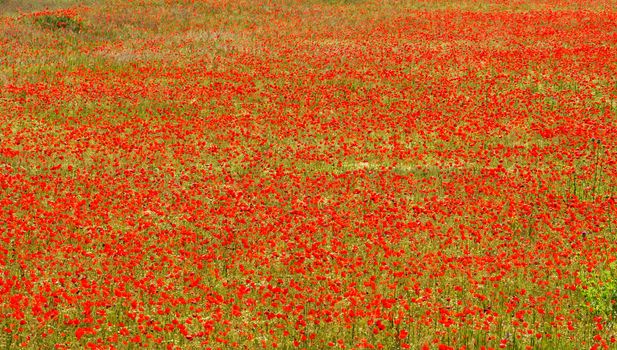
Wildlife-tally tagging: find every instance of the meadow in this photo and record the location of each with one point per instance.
(346, 174)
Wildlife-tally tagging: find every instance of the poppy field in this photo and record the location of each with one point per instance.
(345, 174)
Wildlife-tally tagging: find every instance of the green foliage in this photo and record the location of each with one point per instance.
(601, 292)
(59, 22)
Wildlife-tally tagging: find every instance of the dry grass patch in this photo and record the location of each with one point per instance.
(16, 7)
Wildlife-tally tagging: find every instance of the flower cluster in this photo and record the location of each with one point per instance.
(345, 174)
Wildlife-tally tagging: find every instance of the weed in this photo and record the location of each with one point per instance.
(600, 292)
(55, 22)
